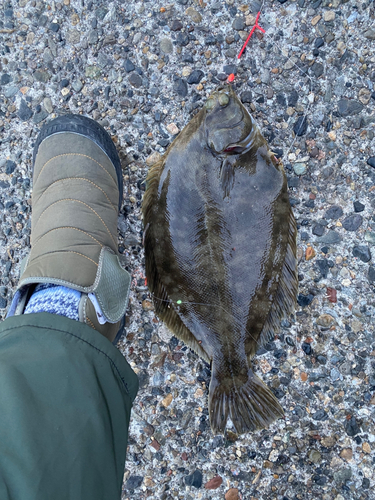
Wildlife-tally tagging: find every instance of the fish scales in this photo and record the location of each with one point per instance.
(220, 250)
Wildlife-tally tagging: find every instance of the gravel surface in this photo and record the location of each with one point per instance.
(142, 69)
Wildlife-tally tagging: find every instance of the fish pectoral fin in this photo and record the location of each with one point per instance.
(285, 299)
(249, 403)
(227, 176)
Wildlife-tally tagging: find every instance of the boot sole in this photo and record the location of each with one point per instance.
(89, 128)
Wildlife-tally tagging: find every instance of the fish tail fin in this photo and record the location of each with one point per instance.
(245, 399)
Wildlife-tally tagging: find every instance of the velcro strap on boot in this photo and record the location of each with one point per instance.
(111, 285)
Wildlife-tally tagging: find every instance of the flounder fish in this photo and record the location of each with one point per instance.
(220, 250)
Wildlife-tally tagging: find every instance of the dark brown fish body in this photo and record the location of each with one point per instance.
(220, 252)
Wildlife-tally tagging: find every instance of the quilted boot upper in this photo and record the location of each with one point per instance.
(74, 227)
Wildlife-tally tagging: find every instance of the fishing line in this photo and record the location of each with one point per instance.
(271, 39)
(180, 302)
(274, 44)
(271, 36)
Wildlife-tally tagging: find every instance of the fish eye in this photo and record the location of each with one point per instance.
(223, 99)
(210, 103)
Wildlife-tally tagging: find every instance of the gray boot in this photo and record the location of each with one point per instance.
(77, 191)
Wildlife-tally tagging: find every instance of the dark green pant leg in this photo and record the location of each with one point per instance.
(65, 400)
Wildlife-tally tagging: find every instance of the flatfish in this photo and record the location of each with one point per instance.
(220, 251)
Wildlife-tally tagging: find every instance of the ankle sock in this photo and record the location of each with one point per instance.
(54, 299)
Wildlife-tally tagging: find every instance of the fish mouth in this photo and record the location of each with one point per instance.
(241, 146)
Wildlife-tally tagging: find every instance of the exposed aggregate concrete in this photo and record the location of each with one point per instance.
(143, 69)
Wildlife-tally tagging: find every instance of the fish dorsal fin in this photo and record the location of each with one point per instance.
(164, 307)
(152, 183)
(286, 294)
